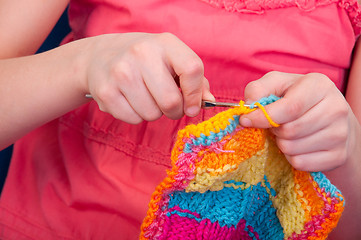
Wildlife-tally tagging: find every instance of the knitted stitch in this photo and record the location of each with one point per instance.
(229, 182)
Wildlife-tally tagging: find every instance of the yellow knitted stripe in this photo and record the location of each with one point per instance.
(250, 171)
(214, 124)
(279, 174)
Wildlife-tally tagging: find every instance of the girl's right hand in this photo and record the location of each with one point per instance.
(141, 76)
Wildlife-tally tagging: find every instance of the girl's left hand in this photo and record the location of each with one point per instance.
(317, 126)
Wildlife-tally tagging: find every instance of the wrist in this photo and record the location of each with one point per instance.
(80, 50)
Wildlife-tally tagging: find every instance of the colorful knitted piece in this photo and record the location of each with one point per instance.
(229, 182)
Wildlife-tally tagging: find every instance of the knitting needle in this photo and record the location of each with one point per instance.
(206, 104)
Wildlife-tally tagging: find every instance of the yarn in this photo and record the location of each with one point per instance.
(230, 182)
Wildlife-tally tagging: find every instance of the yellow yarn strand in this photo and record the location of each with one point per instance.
(273, 124)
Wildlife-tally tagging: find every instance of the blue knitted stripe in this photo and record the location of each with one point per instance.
(233, 123)
(265, 101)
(228, 206)
(213, 137)
(323, 182)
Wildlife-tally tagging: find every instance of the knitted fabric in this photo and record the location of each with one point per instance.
(229, 182)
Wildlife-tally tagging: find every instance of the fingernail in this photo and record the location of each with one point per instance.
(192, 111)
(209, 97)
(245, 122)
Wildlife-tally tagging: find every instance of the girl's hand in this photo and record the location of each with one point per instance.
(140, 76)
(317, 131)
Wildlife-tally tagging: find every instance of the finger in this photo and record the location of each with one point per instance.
(275, 83)
(328, 138)
(318, 161)
(161, 85)
(128, 80)
(298, 99)
(141, 100)
(117, 105)
(315, 119)
(189, 67)
(163, 89)
(191, 84)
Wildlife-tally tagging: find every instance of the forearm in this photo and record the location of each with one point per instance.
(39, 88)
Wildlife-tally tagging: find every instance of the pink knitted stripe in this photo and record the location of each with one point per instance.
(178, 227)
(186, 162)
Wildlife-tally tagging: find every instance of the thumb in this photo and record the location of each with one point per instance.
(206, 94)
(272, 83)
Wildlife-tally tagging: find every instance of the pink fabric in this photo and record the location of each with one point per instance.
(89, 176)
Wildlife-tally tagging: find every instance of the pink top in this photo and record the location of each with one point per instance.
(89, 176)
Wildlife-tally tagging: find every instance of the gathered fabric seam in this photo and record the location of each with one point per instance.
(99, 135)
(352, 7)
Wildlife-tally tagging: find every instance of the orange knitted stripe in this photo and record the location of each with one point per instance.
(306, 194)
(244, 144)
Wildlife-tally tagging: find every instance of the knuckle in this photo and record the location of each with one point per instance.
(284, 146)
(152, 115)
(342, 111)
(341, 135)
(120, 71)
(297, 163)
(104, 94)
(140, 48)
(194, 66)
(255, 90)
(172, 103)
(294, 108)
(253, 86)
(323, 82)
(273, 74)
(189, 92)
(287, 131)
(167, 36)
(342, 157)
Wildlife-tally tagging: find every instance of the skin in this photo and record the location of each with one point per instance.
(319, 130)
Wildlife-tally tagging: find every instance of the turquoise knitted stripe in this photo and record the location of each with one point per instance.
(324, 183)
(213, 137)
(228, 206)
(265, 101)
(233, 123)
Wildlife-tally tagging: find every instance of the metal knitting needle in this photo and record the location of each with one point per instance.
(209, 104)
(88, 95)
(206, 104)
